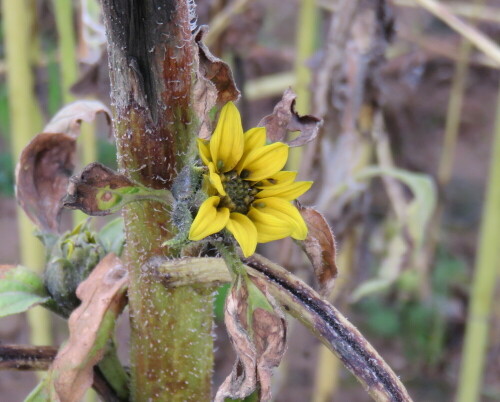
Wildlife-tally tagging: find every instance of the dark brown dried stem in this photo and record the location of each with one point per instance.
(36, 358)
(334, 330)
(21, 357)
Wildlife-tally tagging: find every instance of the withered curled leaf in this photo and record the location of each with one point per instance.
(214, 85)
(101, 191)
(257, 330)
(285, 119)
(103, 296)
(47, 162)
(216, 70)
(42, 175)
(70, 117)
(94, 188)
(319, 246)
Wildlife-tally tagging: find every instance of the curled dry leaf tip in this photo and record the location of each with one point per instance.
(285, 119)
(319, 247)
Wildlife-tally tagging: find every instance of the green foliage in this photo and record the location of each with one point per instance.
(421, 325)
(54, 88)
(20, 289)
(112, 236)
(106, 153)
(6, 174)
(4, 111)
(220, 300)
(43, 392)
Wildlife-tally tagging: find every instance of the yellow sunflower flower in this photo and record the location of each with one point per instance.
(249, 194)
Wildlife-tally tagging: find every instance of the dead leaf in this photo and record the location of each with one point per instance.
(70, 117)
(284, 119)
(243, 378)
(270, 335)
(85, 192)
(42, 175)
(47, 162)
(217, 71)
(214, 85)
(259, 339)
(103, 296)
(319, 246)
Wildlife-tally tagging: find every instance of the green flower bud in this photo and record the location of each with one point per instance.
(72, 258)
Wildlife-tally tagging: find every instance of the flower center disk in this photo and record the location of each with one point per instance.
(240, 193)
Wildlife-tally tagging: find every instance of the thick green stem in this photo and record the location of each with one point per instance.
(485, 275)
(153, 62)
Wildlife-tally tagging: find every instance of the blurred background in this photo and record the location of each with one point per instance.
(406, 169)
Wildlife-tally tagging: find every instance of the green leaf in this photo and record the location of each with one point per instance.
(44, 391)
(112, 236)
(257, 299)
(20, 289)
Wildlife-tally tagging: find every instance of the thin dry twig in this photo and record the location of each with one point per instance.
(476, 37)
(37, 358)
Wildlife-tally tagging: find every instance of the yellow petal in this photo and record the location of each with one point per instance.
(254, 138)
(283, 177)
(264, 161)
(215, 179)
(227, 142)
(286, 212)
(288, 192)
(268, 227)
(204, 150)
(209, 219)
(244, 231)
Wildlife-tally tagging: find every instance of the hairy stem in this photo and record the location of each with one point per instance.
(302, 302)
(153, 62)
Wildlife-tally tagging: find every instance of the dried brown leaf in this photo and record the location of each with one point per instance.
(214, 86)
(103, 296)
(42, 175)
(47, 162)
(83, 191)
(284, 119)
(319, 246)
(70, 117)
(270, 335)
(243, 378)
(259, 344)
(217, 71)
